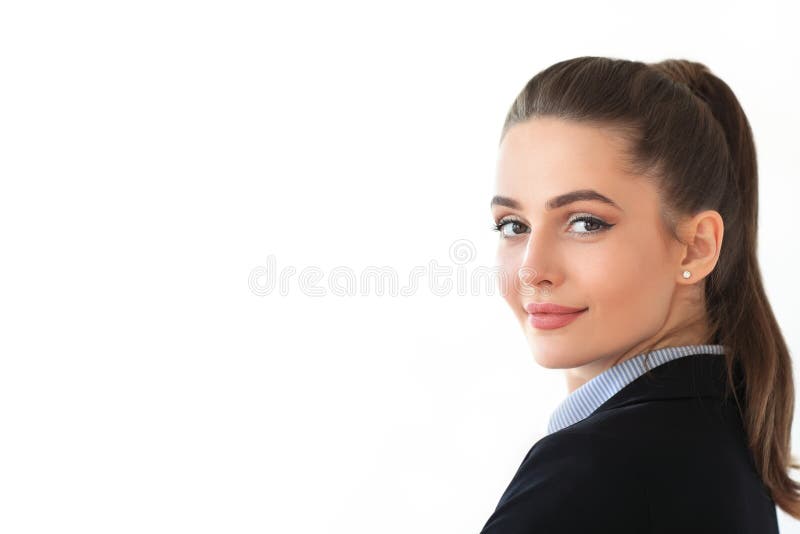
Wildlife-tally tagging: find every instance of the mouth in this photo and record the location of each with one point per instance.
(550, 321)
(550, 308)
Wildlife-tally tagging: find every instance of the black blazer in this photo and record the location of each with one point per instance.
(665, 454)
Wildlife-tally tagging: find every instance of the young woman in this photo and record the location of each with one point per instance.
(627, 206)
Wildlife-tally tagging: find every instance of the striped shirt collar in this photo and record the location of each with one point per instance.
(583, 401)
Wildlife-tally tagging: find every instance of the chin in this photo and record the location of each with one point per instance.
(552, 360)
(555, 355)
(553, 363)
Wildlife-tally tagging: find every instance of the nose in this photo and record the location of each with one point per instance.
(537, 272)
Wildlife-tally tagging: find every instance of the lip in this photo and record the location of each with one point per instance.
(550, 316)
(549, 308)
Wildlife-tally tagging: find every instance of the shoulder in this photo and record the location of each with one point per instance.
(579, 453)
(576, 478)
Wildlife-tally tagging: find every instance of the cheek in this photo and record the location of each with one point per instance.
(507, 263)
(628, 285)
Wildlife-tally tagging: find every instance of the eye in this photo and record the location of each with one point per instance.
(589, 225)
(510, 227)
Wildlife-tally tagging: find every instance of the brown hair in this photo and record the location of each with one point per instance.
(686, 131)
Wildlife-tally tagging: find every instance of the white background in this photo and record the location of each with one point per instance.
(155, 154)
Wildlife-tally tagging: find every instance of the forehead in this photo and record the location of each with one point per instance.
(544, 157)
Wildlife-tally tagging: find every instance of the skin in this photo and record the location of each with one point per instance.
(629, 276)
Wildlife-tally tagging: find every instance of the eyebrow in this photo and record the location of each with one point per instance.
(559, 201)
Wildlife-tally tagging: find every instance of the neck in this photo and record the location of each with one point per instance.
(577, 376)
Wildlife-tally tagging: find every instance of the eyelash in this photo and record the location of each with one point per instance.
(498, 227)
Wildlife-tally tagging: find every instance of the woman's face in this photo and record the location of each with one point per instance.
(614, 259)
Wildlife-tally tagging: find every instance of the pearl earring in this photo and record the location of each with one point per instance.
(686, 274)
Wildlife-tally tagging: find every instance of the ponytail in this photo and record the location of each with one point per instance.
(741, 315)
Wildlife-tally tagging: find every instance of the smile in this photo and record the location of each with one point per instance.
(549, 321)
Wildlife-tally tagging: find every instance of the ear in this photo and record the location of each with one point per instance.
(703, 237)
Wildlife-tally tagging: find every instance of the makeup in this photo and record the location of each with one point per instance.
(548, 316)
